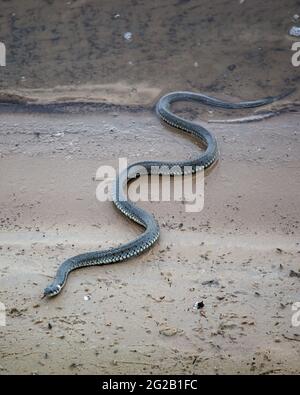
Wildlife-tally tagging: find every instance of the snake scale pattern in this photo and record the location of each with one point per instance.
(140, 216)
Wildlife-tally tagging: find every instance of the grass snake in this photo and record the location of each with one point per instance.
(172, 168)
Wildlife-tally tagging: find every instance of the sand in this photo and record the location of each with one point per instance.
(235, 256)
(138, 317)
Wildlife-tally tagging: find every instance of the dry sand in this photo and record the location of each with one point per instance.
(139, 317)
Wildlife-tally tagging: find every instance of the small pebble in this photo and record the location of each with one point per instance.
(295, 31)
(127, 36)
(198, 305)
(231, 67)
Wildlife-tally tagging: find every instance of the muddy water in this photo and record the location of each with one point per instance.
(132, 51)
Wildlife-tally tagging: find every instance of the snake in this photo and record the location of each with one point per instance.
(208, 156)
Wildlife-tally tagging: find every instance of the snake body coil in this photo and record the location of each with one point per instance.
(145, 219)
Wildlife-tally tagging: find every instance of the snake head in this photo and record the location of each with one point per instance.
(52, 290)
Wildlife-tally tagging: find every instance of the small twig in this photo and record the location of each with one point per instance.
(269, 372)
(250, 118)
(291, 338)
(138, 363)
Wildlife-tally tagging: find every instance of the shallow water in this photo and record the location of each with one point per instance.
(135, 50)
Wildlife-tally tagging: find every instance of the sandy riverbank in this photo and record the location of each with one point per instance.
(139, 316)
(236, 255)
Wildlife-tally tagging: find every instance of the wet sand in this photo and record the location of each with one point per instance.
(236, 255)
(138, 316)
(78, 49)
